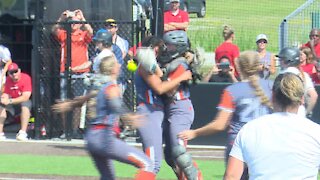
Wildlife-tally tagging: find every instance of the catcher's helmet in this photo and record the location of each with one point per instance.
(103, 36)
(290, 56)
(177, 42)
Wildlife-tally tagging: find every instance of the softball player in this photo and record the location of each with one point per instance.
(149, 87)
(179, 112)
(102, 143)
(240, 102)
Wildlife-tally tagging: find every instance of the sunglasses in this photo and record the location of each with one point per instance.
(110, 26)
(314, 35)
(262, 41)
(13, 71)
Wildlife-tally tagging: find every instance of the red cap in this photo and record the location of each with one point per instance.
(13, 66)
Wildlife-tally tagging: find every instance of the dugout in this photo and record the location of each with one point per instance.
(25, 27)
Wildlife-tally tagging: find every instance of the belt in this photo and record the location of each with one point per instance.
(98, 126)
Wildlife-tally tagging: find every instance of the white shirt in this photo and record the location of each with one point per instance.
(122, 44)
(308, 84)
(279, 146)
(5, 54)
(97, 59)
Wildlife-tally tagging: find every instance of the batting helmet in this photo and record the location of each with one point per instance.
(103, 36)
(176, 42)
(290, 56)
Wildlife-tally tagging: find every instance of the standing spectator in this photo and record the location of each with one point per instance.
(240, 102)
(175, 18)
(314, 43)
(16, 98)
(289, 58)
(267, 59)
(227, 48)
(306, 60)
(5, 61)
(282, 145)
(80, 64)
(222, 72)
(112, 27)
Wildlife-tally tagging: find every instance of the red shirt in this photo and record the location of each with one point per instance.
(230, 50)
(79, 48)
(181, 17)
(315, 79)
(316, 48)
(308, 68)
(15, 89)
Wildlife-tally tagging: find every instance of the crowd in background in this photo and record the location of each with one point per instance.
(165, 67)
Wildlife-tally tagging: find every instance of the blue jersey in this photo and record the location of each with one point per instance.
(104, 113)
(144, 93)
(240, 99)
(183, 91)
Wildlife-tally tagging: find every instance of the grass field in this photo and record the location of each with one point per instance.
(83, 166)
(248, 17)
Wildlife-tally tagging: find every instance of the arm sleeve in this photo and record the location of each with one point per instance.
(226, 102)
(177, 72)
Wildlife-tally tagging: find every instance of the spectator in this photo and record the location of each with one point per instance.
(5, 61)
(306, 60)
(289, 58)
(227, 48)
(267, 59)
(80, 64)
(316, 76)
(222, 72)
(175, 18)
(112, 27)
(313, 43)
(15, 98)
(282, 145)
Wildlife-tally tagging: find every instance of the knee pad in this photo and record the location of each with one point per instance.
(184, 161)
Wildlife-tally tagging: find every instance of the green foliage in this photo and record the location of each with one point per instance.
(248, 18)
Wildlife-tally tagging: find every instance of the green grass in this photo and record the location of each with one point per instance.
(248, 17)
(83, 166)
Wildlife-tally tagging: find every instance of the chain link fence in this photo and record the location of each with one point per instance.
(47, 77)
(294, 29)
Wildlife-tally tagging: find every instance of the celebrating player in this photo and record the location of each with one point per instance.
(240, 102)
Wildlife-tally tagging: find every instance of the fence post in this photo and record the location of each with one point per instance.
(283, 34)
(35, 74)
(67, 76)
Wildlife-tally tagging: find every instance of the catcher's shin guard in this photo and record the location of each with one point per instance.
(184, 162)
(145, 175)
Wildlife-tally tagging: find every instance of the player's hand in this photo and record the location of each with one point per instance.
(187, 135)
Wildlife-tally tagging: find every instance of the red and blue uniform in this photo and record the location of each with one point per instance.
(150, 104)
(240, 99)
(102, 143)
